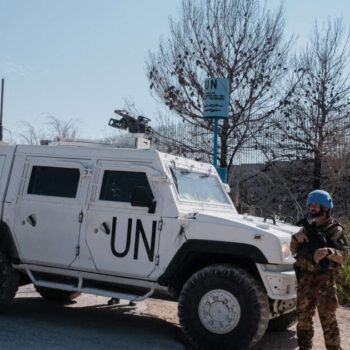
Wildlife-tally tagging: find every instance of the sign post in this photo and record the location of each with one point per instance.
(216, 102)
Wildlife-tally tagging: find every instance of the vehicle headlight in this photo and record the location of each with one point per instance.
(285, 250)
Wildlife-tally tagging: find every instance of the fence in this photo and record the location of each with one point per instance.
(265, 143)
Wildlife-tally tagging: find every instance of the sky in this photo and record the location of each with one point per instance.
(80, 59)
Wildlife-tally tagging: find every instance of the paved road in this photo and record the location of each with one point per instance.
(32, 323)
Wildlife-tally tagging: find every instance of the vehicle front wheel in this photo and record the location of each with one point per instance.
(223, 307)
(9, 281)
(57, 294)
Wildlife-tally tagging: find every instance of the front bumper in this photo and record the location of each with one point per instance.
(279, 281)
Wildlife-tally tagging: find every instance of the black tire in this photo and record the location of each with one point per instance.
(57, 294)
(250, 323)
(280, 324)
(9, 281)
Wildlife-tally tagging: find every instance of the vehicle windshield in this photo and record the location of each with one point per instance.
(198, 187)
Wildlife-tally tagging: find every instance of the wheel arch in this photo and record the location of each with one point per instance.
(197, 254)
(7, 243)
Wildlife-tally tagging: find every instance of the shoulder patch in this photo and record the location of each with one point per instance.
(336, 231)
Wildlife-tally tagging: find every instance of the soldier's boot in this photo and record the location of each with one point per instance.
(305, 338)
(330, 327)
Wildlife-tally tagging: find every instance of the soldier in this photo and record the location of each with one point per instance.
(316, 283)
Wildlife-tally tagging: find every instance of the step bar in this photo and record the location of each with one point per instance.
(80, 279)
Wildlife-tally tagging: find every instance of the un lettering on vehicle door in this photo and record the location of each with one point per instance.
(123, 244)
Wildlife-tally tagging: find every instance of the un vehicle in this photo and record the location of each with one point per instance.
(132, 223)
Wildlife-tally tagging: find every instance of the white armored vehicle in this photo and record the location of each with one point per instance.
(132, 223)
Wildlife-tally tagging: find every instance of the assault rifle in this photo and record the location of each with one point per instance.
(316, 241)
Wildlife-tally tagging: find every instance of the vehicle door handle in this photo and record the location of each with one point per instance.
(104, 227)
(31, 219)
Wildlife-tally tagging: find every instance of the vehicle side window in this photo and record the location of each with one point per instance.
(54, 181)
(118, 186)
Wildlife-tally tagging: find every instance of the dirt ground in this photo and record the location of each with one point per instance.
(89, 323)
(272, 340)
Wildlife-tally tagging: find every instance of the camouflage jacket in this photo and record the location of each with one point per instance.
(336, 244)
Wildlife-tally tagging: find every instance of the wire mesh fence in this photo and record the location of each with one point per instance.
(267, 142)
(192, 141)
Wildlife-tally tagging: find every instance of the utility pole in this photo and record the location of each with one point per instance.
(1, 107)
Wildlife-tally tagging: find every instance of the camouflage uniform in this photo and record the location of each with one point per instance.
(317, 288)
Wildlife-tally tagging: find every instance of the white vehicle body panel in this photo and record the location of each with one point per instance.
(236, 228)
(117, 239)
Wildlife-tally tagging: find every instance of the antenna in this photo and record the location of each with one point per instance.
(1, 106)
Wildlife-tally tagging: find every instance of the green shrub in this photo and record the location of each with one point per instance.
(343, 281)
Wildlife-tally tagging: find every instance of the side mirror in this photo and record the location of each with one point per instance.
(143, 197)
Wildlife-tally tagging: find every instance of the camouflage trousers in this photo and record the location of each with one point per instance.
(317, 290)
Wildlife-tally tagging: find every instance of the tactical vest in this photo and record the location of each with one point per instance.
(307, 262)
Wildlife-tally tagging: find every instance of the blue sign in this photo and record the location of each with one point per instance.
(216, 98)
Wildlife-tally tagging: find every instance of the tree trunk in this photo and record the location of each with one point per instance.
(317, 171)
(223, 136)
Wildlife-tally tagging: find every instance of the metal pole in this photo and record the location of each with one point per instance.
(215, 141)
(1, 107)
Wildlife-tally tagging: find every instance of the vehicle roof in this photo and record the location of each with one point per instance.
(111, 153)
(87, 152)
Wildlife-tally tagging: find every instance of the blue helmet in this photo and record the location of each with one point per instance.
(320, 197)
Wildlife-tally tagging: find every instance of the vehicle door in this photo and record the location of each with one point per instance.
(123, 239)
(48, 210)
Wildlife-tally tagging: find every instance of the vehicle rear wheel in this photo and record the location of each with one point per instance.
(57, 294)
(9, 281)
(222, 306)
(283, 322)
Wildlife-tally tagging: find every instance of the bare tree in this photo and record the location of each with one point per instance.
(8, 136)
(56, 129)
(317, 112)
(31, 135)
(235, 39)
(62, 129)
(336, 158)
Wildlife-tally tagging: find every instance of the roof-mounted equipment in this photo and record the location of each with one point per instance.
(135, 126)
